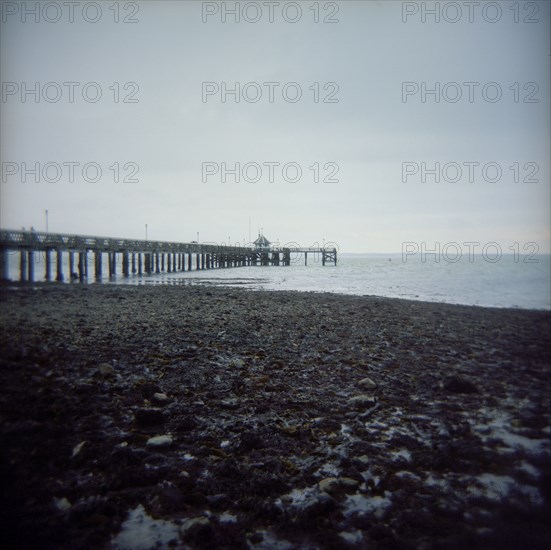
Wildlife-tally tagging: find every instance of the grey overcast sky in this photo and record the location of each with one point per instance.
(372, 126)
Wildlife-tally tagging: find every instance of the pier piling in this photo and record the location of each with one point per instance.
(81, 266)
(59, 265)
(31, 266)
(125, 264)
(48, 273)
(71, 264)
(4, 264)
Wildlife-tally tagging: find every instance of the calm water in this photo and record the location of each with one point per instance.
(506, 283)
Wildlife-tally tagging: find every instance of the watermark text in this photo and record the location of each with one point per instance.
(69, 172)
(470, 92)
(269, 92)
(70, 92)
(470, 12)
(69, 12)
(269, 172)
(469, 172)
(270, 12)
(452, 252)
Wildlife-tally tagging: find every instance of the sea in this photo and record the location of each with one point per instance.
(512, 281)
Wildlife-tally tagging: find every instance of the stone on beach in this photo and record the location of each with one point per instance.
(329, 485)
(62, 504)
(160, 399)
(334, 486)
(362, 401)
(238, 363)
(367, 383)
(230, 403)
(348, 483)
(196, 530)
(78, 448)
(159, 441)
(105, 369)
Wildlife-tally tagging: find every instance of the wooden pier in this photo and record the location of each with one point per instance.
(136, 256)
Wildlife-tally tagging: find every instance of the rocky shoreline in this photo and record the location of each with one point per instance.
(191, 417)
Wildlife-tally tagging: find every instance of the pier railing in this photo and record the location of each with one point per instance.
(39, 240)
(138, 256)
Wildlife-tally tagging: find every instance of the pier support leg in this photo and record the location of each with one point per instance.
(31, 266)
(23, 265)
(59, 265)
(71, 264)
(133, 262)
(162, 261)
(4, 264)
(157, 266)
(81, 274)
(48, 273)
(97, 264)
(169, 263)
(189, 262)
(306, 258)
(125, 264)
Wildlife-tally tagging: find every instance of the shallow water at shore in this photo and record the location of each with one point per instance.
(510, 282)
(502, 284)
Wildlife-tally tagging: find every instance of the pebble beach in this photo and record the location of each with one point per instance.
(137, 418)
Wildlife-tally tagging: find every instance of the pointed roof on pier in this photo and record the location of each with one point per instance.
(262, 242)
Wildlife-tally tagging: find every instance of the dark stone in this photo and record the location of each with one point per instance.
(458, 384)
(317, 508)
(250, 441)
(187, 423)
(84, 389)
(149, 417)
(171, 499)
(148, 389)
